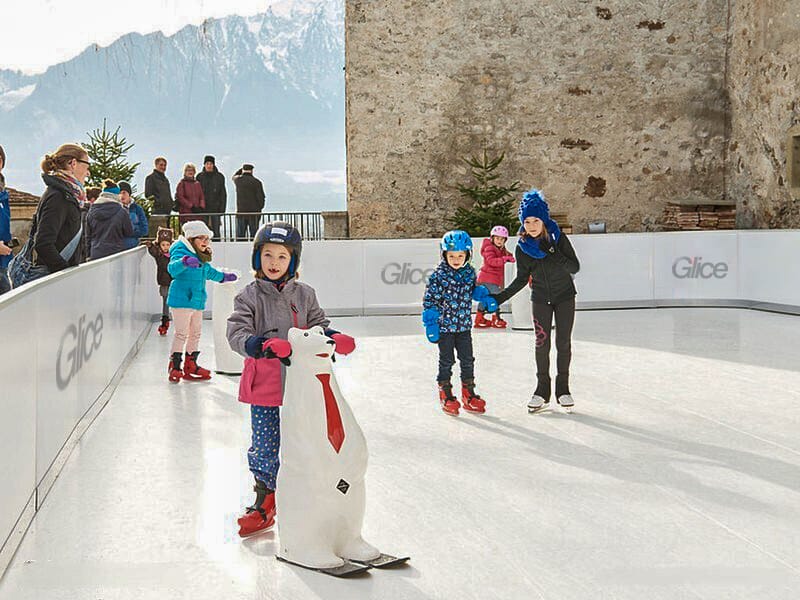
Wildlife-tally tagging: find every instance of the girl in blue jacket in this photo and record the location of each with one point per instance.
(190, 267)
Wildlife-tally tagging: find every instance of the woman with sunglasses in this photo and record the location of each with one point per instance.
(58, 218)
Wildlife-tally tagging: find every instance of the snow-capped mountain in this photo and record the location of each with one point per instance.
(266, 89)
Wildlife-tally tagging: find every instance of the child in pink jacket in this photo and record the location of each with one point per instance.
(492, 273)
(263, 313)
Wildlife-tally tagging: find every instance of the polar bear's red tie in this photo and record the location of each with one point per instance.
(332, 416)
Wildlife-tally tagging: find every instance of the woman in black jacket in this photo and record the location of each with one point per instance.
(546, 258)
(58, 218)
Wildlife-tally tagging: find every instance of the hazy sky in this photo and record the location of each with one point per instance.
(38, 33)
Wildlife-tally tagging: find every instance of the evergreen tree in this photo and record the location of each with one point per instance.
(491, 204)
(108, 153)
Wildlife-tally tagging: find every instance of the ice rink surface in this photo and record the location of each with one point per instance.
(677, 476)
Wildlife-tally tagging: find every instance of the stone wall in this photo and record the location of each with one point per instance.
(765, 106)
(612, 107)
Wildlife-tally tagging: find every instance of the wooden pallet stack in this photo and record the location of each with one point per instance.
(699, 217)
(562, 219)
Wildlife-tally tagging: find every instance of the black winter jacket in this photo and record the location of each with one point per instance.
(162, 262)
(107, 226)
(58, 219)
(157, 185)
(551, 275)
(249, 193)
(214, 192)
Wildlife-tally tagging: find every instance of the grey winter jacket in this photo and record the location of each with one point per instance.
(260, 309)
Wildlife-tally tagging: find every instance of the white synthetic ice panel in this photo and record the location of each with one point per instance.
(677, 477)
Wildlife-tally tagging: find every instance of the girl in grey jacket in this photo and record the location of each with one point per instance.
(264, 311)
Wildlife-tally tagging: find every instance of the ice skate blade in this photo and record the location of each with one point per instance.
(384, 561)
(195, 378)
(474, 412)
(537, 410)
(348, 569)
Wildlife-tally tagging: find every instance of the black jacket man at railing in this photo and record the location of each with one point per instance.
(213, 184)
(250, 198)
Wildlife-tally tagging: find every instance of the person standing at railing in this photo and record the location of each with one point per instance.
(213, 184)
(156, 186)
(57, 222)
(189, 195)
(136, 214)
(5, 229)
(250, 198)
(107, 224)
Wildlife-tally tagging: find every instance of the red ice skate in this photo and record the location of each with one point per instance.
(193, 372)
(471, 401)
(260, 516)
(449, 403)
(480, 321)
(497, 322)
(174, 369)
(164, 327)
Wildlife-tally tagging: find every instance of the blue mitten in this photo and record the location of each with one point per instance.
(430, 318)
(253, 346)
(482, 295)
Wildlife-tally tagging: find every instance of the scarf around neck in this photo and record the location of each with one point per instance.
(73, 185)
(530, 246)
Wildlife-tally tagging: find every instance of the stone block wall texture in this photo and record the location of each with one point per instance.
(613, 107)
(764, 84)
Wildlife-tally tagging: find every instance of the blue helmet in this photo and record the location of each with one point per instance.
(278, 232)
(456, 241)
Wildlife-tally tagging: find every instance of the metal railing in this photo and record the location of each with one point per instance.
(241, 227)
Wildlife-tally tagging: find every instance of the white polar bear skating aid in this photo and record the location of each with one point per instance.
(320, 493)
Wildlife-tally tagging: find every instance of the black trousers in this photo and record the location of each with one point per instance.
(243, 224)
(461, 343)
(214, 223)
(543, 314)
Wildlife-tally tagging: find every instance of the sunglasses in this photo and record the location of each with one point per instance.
(86, 162)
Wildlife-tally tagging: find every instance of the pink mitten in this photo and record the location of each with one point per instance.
(344, 343)
(276, 348)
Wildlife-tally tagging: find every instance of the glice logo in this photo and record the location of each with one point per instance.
(397, 274)
(694, 268)
(78, 343)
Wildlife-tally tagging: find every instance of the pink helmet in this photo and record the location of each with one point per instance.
(499, 231)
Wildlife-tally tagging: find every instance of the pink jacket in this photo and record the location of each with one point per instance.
(494, 263)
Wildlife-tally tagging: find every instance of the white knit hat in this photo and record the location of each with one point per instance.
(193, 229)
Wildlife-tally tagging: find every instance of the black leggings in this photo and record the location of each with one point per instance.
(542, 322)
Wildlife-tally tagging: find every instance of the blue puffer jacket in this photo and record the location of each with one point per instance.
(139, 222)
(188, 287)
(450, 292)
(5, 226)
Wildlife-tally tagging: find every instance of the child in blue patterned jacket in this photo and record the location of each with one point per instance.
(447, 317)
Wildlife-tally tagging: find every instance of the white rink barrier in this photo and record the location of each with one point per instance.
(67, 339)
(754, 269)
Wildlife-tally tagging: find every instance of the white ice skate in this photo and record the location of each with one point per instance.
(566, 402)
(537, 403)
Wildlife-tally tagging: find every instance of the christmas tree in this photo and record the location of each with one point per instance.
(108, 153)
(491, 204)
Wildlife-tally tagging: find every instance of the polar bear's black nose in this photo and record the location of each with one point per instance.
(331, 342)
